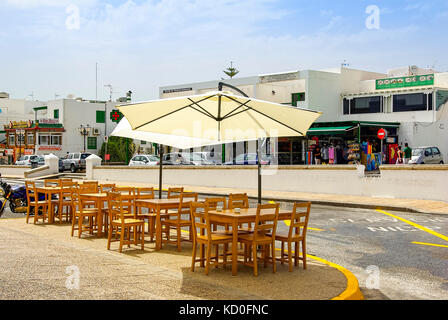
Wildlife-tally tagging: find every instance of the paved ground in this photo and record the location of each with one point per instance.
(34, 261)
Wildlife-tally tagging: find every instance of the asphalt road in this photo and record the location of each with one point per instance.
(391, 258)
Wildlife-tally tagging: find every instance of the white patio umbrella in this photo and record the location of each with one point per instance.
(219, 117)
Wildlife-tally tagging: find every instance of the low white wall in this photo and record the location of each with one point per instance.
(428, 182)
(13, 170)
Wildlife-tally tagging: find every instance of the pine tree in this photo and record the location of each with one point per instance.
(231, 71)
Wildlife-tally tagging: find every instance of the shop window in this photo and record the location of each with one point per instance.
(12, 140)
(296, 97)
(56, 113)
(365, 105)
(412, 102)
(56, 140)
(142, 142)
(100, 116)
(30, 139)
(44, 140)
(91, 143)
(346, 103)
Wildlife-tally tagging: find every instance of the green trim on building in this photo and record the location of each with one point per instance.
(100, 116)
(92, 143)
(56, 113)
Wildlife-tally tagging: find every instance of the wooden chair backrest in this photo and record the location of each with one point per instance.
(52, 182)
(145, 193)
(129, 190)
(106, 187)
(66, 179)
(175, 192)
(31, 193)
(266, 222)
(88, 188)
(200, 219)
(77, 203)
(67, 187)
(238, 200)
(299, 219)
(213, 203)
(115, 206)
(65, 183)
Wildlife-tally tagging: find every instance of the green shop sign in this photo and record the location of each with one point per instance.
(116, 115)
(402, 82)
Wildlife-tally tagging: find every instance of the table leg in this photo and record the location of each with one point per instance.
(50, 208)
(158, 230)
(235, 248)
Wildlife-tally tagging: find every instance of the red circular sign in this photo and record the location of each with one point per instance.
(381, 134)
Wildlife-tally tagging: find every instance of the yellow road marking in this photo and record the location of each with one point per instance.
(288, 223)
(441, 236)
(429, 244)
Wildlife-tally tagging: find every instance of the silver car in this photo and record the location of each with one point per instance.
(144, 160)
(426, 155)
(26, 160)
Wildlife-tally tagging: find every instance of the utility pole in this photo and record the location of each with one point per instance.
(105, 118)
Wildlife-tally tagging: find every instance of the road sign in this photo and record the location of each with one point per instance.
(107, 157)
(382, 134)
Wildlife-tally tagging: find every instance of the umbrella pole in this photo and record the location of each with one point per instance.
(160, 169)
(259, 170)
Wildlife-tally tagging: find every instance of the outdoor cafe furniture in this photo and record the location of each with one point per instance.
(104, 187)
(179, 219)
(128, 198)
(213, 204)
(156, 206)
(65, 200)
(229, 216)
(205, 237)
(296, 234)
(34, 204)
(122, 225)
(265, 228)
(52, 197)
(52, 182)
(142, 194)
(174, 192)
(80, 213)
(240, 200)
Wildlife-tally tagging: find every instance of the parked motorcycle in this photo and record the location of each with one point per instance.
(16, 195)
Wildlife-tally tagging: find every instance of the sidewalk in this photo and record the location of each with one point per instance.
(407, 205)
(34, 261)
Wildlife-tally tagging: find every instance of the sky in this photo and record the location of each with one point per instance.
(50, 48)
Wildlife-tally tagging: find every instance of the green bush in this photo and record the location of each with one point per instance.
(116, 147)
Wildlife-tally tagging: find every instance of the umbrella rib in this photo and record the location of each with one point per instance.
(250, 108)
(230, 113)
(205, 111)
(169, 113)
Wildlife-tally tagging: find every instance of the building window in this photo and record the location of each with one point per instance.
(30, 139)
(56, 113)
(296, 97)
(365, 105)
(12, 139)
(44, 140)
(56, 140)
(91, 143)
(142, 142)
(412, 102)
(346, 106)
(100, 116)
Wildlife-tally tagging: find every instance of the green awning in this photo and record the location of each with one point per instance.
(379, 124)
(329, 130)
(40, 108)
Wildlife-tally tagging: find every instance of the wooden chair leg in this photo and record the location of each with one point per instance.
(143, 235)
(207, 263)
(254, 251)
(290, 256)
(201, 253)
(194, 256)
(296, 253)
(304, 254)
(179, 249)
(80, 221)
(122, 239)
(274, 261)
(282, 252)
(73, 225)
(109, 238)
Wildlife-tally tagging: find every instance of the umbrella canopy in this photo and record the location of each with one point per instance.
(124, 129)
(218, 117)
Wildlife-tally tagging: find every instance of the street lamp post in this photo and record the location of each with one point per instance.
(84, 131)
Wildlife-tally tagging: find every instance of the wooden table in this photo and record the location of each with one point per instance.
(234, 219)
(49, 192)
(156, 205)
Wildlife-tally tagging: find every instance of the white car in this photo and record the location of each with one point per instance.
(144, 160)
(26, 160)
(425, 155)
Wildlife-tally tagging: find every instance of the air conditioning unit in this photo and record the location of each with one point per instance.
(96, 132)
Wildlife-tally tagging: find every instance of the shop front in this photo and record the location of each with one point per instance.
(351, 142)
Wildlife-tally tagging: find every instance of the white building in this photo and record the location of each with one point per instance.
(409, 102)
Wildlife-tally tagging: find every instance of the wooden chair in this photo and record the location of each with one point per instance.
(240, 200)
(142, 194)
(264, 223)
(80, 213)
(52, 182)
(121, 225)
(90, 182)
(65, 201)
(296, 234)
(175, 192)
(176, 221)
(128, 198)
(213, 203)
(34, 204)
(203, 235)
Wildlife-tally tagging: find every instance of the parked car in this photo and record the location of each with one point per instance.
(422, 155)
(185, 158)
(61, 165)
(75, 161)
(248, 158)
(144, 160)
(208, 157)
(25, 160)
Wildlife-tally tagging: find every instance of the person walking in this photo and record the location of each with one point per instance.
(407, 153)
(399, 156)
